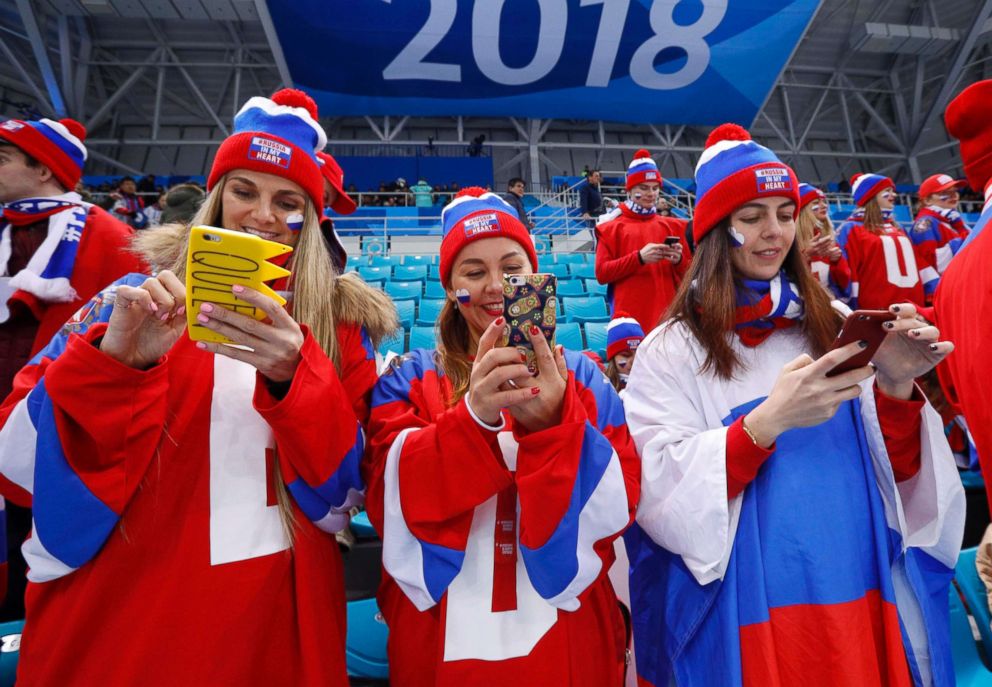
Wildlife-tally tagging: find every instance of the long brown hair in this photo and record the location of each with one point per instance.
(706, 302)
(873, 221)
(453, 352)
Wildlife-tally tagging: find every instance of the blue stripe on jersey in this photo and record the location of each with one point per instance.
(347, 476)
(70, 521)
(552, 566)
(394, 384)
(312, 505)
(441, 565)
(609, 408)
(367, 345)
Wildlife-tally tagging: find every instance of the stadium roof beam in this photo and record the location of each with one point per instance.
(97, 118)
(41, 57)
(274, 47)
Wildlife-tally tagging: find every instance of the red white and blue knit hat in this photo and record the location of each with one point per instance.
(475, 214)
(623, 334)
(808, 193)
(642, 169)
(864, 187)
(277, 136)
(57, 145)
(734, 170)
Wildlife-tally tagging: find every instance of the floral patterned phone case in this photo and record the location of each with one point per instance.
(529, 299)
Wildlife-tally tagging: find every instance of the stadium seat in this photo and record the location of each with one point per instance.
(571, 287)
(582, 271)
(594, 288)
(398, 290)
(596, 337)
(375, 273)
(430, 308)
(420, 260)
(975, 597)
(354, 262)
(394, 343)
(434, 272)
(405, 309)
(384, 260)
(560, 271)
(569, 335)
(585, 309)
(969, 671)
(433, 289)
(376, 283)
(569, 259)
(410, 272)
(421, 337)
(10, 640)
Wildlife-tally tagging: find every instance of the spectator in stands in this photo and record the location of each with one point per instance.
(664, 210)
(885, 266)
(337, 200)
(151, 429)
(637, 254)
(153, 212)
(475, 147)
(422, 194)
(470, 455)
(127, 205)
(939, 230)
(623, 336)
(56, 251)
(815, 238)
(147, 184)
(590, 199)
(514, 195)
(181, 203)
(768, 486)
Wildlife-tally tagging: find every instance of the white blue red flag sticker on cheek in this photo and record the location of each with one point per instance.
(736, 238)
(463, 296)
(266, 150)
(294, 221)
(773, 179)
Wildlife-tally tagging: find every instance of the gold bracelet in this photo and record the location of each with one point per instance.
(750, 434)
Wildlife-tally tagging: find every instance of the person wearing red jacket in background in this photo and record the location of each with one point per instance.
(815, 237)
(56, 252)
(185, 494)
(939, 230)
(499, 495)
(641, 271)
(963, 303)
(335, 199)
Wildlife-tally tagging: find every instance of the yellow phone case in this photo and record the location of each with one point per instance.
(218, 259)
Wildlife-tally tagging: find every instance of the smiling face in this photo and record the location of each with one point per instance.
(479, 270)
(645, 194)
(262, 204)
(887, 198)
(768, 228)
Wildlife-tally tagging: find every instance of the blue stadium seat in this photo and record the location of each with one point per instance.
(375, 273)
(398, 290)
(585, 309)
(405, 309)
(969, 671)
(434, 272)
(571, 287)
(569, 335)
(376, 283)
(433, 289)
(410, 272)
(421, 337)
(596, 337)
(419, 259)
(384, 260)
(569, 259)
(10, 635)
(975, 597)
(560, 271)
(901, 213)
(394, 343)
(583, 271)
(354, 262)
(365, 648)
(430, 308)
(594, 288)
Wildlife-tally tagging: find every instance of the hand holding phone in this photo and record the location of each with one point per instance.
(861, 325)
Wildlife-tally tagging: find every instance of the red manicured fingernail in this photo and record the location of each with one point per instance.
(534, 330)
(498, 322)
(237, 288)
(523, 357)
(535, 390)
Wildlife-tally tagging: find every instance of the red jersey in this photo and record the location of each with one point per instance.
(159, 555)
(642, 290)
(496, 543)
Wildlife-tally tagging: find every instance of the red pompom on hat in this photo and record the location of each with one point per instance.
(57, 145)
(280, 136)
(734, 170)
(475, 213)
(642, 169)
(969, 119)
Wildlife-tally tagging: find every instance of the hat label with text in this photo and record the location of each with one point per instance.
(272, 152)
(481, 224)
(771, 179)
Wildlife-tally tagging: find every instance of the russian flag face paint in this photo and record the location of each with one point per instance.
(736, 237)
(294, 221)
(463, 296)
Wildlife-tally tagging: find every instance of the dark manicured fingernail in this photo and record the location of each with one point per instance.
(933, 347)
(890, 325)
(895, 308)
(915, 332)
(862, 344)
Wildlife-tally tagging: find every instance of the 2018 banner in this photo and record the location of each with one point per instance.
(666, 61)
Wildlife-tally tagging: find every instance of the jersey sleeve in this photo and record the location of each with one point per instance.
(578, 484)
(428, 467)
(849, 247)
(319, 436)
(611, 267)
(839, 277)
(78, 433)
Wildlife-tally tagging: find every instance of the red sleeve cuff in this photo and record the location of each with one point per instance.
(900, 423)
(744, 458)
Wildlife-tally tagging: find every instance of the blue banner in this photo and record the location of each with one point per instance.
(666, 61)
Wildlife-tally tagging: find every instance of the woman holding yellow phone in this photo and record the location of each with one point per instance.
(186, 493)
(498, 493)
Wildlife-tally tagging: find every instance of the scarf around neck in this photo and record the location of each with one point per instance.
(764, 306)
(638, 210)
(952, 217)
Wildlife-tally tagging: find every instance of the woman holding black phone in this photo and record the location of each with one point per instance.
(498, 494)
(793, 525)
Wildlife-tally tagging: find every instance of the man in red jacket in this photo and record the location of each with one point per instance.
(56, 252)
(640, 255)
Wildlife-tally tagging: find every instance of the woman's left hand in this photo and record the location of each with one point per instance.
(544, 410)
(275, 344)
(911, 349)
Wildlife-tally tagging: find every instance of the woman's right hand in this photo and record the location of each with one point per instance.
(146, 321)
(494, 366)
(803, 395)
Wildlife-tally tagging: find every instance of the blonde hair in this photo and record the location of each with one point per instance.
(874, 220)
(807, 225)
